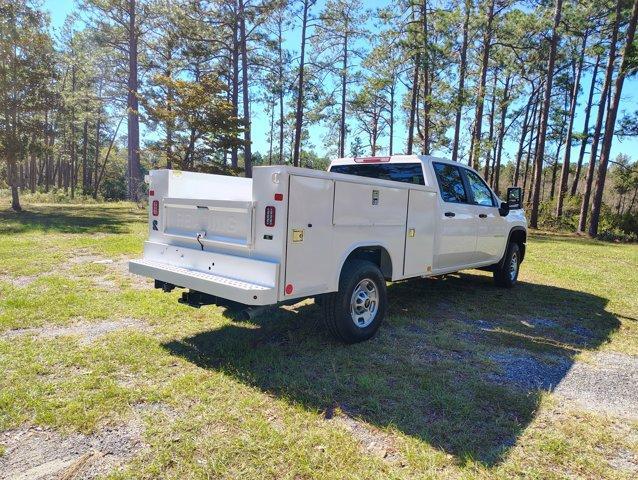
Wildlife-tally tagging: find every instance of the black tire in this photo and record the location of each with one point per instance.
(337, 306)
(506, 273)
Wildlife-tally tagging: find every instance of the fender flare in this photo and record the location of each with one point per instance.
(355, 246)
(516, 228)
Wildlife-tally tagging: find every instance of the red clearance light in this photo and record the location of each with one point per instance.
(371, 159)
(269, 217)
(155, 208)
(151, 193)
(289, 289)
(279, 197)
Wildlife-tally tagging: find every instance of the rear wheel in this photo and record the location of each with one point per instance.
(506, 275)
(355, 312)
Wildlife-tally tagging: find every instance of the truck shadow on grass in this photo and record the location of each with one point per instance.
(459, 364)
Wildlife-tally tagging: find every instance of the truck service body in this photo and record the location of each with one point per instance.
(290, 233)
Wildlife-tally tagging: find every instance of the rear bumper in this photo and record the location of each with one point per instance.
(184, 267)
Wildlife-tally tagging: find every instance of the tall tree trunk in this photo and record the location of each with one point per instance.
(296, 155)
(583, 144)
(13, 146)
(170, 124)
(96, 159)
(47, 152)
(134, 170)
(234, 156)
(480, 96)
(521, 143)
(460, 96)
(281, 91)
(501, 134)
(490, 136)
(391, 141)
(540, 153)
(85, 159)
(532, 158)
(561, 135)
(564, 175)
(59, 167)
(413, 104)
(610, 121)
(272, 131)
(32, 166)
(73, 134)
(609, 71)
(344, 70)
(14, 181)
(426, 80)
(248, 159)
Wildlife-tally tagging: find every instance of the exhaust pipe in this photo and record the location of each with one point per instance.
(252, 313)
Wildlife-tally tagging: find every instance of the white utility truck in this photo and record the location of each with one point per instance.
(291, 233)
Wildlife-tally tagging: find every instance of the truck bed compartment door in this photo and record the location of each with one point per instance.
(419, 235)
(309, 257)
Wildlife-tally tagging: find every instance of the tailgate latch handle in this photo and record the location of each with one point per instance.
(199, 236)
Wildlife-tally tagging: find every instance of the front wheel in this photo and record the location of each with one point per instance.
(355, 312)
(506, 275)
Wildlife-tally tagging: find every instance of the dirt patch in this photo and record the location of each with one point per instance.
(625, 461)
(137, 282)
(105, 283)
(19, 282)
(372, 440)
(39, 454)
(86, 331)
(119, 266)
(607, 383)
(82, 256)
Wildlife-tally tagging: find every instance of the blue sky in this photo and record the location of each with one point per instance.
(59, 9)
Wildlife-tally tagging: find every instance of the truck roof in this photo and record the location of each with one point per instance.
(390, 159)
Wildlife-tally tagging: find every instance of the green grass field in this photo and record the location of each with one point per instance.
(458, 383)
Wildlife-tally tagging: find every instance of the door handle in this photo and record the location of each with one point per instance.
(449, 214)
(482, 215)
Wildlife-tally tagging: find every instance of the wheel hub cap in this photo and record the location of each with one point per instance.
(364, 303)
(513, 267)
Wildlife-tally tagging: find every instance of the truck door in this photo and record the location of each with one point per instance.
(419, 239)
(456, 235)
(309, 256)
(491, 227)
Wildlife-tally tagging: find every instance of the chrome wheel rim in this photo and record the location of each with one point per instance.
(513, 267)
(364, 303)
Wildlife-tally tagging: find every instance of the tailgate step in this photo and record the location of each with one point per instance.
(230, 288)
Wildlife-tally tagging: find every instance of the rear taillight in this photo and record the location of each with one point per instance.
(269, 218)
(155, 208)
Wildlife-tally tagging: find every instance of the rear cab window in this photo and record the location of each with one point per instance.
(397, 172)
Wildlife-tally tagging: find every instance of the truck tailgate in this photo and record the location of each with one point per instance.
(216, 222)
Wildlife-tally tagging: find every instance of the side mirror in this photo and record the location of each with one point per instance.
(515, 198)
(504, 209)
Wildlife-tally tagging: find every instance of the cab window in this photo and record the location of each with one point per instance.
(450, 183)
(481, 193)
(397, 172)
